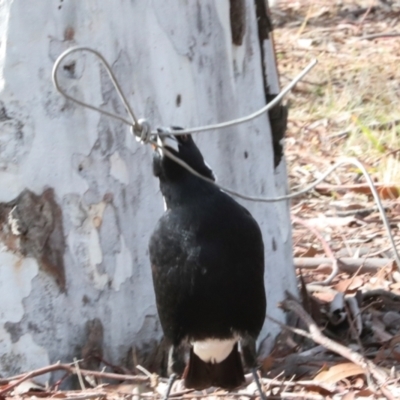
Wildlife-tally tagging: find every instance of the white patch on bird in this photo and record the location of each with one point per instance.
(160, 146)
(212, 172)
(165, 204)
(167, 141)
(160, 143)
(214, 350)
(171, 142)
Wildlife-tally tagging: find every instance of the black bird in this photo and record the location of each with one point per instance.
(207, 259)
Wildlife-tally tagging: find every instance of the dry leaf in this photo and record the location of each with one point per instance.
(125, 388)
(310, 252)
(322, 221)
(305, 43)
(339, 372)
(349, 284)
(324, 268)
(346, 205)
(326, 297)
(395, 341)
(267, 364)
(388, 192)
(365, 393)
(395, 287)
(349, 396)
(381, 280)
(27, 386)
(395, 210)
(396, 355)
(358, 383)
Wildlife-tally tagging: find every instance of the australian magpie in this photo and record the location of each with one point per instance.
(207, 260)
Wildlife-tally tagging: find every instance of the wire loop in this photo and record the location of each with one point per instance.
(134, 121)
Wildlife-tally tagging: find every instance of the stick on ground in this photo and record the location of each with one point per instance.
(317, 336)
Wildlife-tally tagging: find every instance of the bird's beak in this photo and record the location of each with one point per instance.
(169, 142)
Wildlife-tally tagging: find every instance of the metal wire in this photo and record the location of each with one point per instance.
(134, 121)
(138, 131)
(351, 161)
(256, 114)
(221, 125)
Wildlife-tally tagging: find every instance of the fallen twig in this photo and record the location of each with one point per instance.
(316, 335)
(327, 249)
(78, 373)
(381, 293)
(345, 264)
(359, 211)
(305, 383)
(86, 396)
(281, 395)
(14, 381)
(374, 125)
(358, 187)
(378, 36)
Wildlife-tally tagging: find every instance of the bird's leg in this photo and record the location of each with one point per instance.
(176, 364)
(171, 381)
(258, 383)
(176, 360)
(248, 345)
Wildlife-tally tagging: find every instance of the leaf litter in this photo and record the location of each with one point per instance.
(348, 107)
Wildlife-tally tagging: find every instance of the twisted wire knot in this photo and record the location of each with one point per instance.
(142, 131)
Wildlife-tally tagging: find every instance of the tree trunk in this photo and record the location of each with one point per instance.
(78, 199)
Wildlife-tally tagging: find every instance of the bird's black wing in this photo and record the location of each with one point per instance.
(208, 270)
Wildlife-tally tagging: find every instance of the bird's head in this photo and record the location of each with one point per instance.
(183, 147)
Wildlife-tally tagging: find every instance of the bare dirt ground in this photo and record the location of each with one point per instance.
(348, 106)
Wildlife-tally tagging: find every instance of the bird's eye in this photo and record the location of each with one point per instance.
(184, 138)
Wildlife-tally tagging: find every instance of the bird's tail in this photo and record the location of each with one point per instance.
(227, 374)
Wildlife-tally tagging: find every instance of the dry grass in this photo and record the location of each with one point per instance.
(356, 83)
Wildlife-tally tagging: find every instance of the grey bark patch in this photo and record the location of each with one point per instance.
(69, 33)
(237, 14)
(122, 68)
(11, 363)
(56, 47)
(16, 137)
(92, 351)
(71, 70)
(32, 226)
(106, 137)
(3, 112)
(152, 353)
(15, 331)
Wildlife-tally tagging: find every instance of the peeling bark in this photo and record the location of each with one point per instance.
(277, 115)
(92, 351)
(238, 20)
(32, 226)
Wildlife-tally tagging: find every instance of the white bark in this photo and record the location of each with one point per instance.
(102, 178)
